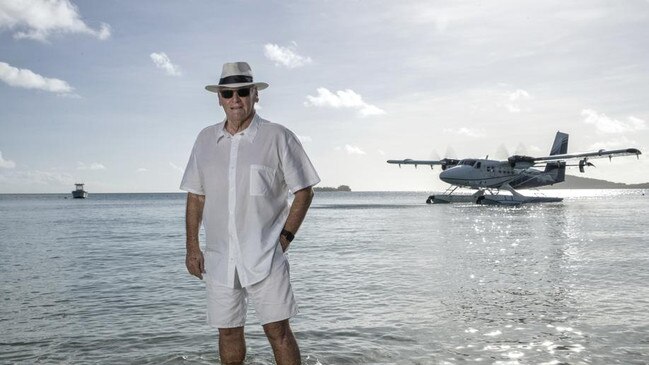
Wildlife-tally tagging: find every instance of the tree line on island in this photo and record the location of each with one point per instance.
(327, 188)
(578, 182)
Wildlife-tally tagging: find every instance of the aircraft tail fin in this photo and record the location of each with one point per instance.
(560, 145)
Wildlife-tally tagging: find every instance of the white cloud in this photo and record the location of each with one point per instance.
(19, 77)
(284, 56)
(512, 108)
(142, 169)
(514, 100)
(175, 167)
(354, 150)
(519, 94)
(163, 62)
(582, 15)
(92, 166)
(39, 19)
(606, 125)
(26, 178)
(614, 143)
(342, 99)
(304, 139)
(469, 132)
(6, 164)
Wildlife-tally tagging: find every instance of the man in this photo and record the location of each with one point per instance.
(238, 178)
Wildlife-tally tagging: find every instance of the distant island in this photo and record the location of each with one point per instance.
(576, 182)
(326, 188)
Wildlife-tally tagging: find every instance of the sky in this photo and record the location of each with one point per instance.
(111, 93)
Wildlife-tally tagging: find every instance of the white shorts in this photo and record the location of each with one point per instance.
(272, 299)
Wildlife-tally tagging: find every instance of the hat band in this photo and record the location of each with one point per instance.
(236, 79)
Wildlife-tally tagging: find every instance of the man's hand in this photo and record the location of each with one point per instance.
(284, 242)
(195, 263)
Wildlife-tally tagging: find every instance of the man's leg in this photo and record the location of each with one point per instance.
(283, 343)
(232, 345)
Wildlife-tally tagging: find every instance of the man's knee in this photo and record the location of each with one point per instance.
(278, 331)
(231, 334)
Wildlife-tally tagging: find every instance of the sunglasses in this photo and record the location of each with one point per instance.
(227, 94)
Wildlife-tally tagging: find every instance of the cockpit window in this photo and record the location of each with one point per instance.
(477, 165)
(467, 162)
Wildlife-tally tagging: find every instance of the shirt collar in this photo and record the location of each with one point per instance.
(248, 134)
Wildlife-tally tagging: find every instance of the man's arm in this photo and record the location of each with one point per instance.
(301, 204)
(193, 216)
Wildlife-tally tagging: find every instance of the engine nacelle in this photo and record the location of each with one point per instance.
(521, 162)
(448, 163)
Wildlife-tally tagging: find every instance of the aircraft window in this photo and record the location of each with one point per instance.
(477, 165)
(467, 162)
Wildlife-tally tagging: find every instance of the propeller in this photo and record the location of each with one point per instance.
(450, 152)
(502, 153)
(521, 149)
(433, 155)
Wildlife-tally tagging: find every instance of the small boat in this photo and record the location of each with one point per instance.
(79, 193)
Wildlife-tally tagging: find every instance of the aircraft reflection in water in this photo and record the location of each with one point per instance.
(517, 172)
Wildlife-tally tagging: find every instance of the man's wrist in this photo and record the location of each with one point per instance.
(192, 246)
(287, 234)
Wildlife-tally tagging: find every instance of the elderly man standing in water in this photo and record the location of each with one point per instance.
(238, 178)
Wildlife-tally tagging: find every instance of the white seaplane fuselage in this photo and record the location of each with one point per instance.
(483, 173)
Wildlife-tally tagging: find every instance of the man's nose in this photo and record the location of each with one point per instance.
(235, 96)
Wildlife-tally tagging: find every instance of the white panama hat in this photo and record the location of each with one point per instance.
(235, 75)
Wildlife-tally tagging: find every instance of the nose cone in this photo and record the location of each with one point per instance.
(455, 175)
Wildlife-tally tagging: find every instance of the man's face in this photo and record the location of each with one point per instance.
(238, 108)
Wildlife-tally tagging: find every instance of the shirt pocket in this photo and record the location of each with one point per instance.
(261, 180)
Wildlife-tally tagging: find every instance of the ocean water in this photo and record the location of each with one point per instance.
(381, 278)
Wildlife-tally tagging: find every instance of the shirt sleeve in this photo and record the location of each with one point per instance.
(192, 181)
(299, 172)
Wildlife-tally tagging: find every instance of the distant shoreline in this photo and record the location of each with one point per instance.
(577, 182)
(343, 188)
(571, 183)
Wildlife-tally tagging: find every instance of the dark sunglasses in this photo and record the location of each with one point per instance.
(227, 94)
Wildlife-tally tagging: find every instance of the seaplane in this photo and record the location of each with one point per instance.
(491, 177)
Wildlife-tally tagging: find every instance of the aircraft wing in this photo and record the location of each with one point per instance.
(443, 162)
(588, 155)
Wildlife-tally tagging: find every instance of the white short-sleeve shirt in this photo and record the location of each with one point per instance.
(246, 178)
